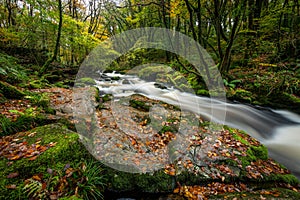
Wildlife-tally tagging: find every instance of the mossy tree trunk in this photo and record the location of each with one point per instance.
(10, 92)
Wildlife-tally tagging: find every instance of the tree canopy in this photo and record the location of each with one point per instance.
(234, 32)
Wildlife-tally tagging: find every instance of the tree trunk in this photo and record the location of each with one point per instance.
(57, 45)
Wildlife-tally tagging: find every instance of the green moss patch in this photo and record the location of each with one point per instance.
(67, 150)
(152, 183)
(85, 81)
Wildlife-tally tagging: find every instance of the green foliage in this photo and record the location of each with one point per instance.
(202, 92)
(10, 92)
(6, 126)
(27, 119)
(86, 180)
(231, 84)
(243, 95)
(153, 183)
(106, 97)
(153, 73)
(10, 70)
(92, 181)
(38, 83)
(168, 129)
(42, 100)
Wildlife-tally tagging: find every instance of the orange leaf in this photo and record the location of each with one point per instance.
(13, 186)
(32, 158)
(119, 145)
(42, 148)
(37, 178)
(133, 142)
(176, 190)
(16, 157)
(276, 194)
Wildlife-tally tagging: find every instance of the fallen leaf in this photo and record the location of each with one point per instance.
(37, 177)
(262, 198)
(53, 196)
(16, 157)
(13, 186)
(13, 175)
(32, 158)
(52, 144)
(176, 190)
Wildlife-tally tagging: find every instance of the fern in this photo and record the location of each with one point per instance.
(11, 70)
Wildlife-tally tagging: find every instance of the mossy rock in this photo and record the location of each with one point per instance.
(24, 122)
(281, 193)
(52, 78)
(260, 152)
(291, 97)
(202, 92)
(68, 150)
(180, 82)
(10, 91)
(106, 97)
(152, 73)
(244, 95)
(85, 81)
(140, 105)
(151, 183)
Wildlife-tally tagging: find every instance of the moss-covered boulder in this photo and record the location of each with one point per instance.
(157, 182)
(62, 148)
(165, 76)
(241, 95)
(85, 81)
(10, 91)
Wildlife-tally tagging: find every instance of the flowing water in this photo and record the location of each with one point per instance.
(278, 130)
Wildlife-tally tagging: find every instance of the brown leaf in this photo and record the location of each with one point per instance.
(52, 144)
(13, 175)
(13, 186)
(37, 178)
(277, 194)
(32, 158)
(44, 185)
(53, 196)
(262, 198)
(16, 157)
(42, 148)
